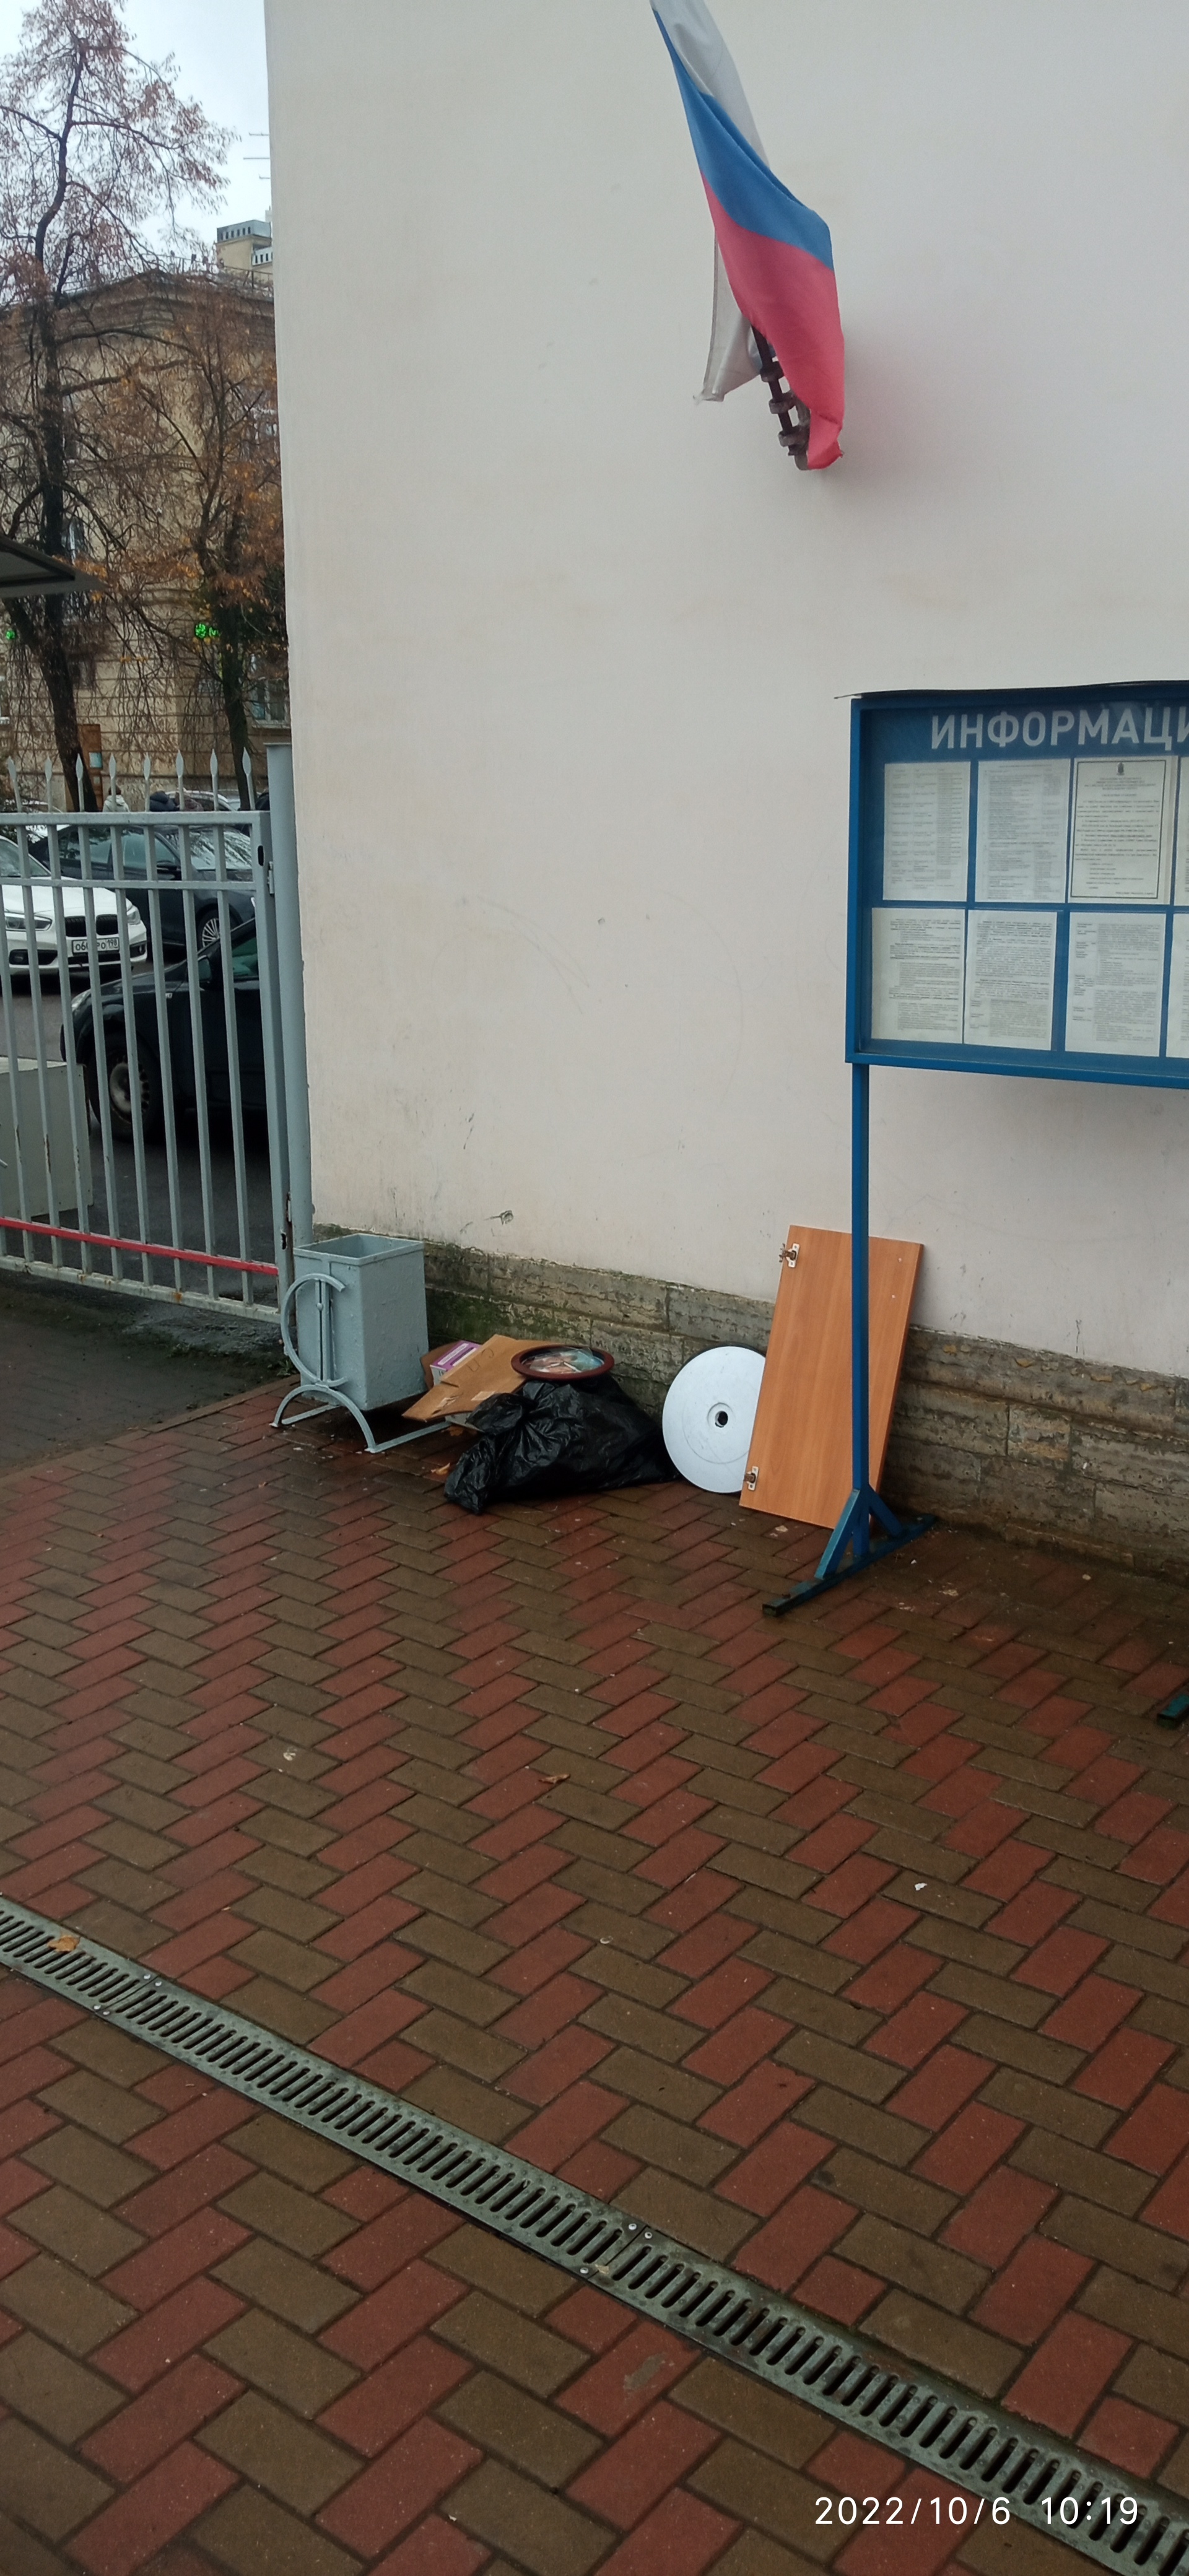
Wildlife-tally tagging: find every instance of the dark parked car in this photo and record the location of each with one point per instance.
(203, 855)
(242, 956)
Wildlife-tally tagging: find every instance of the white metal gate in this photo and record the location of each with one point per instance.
(153, 1123)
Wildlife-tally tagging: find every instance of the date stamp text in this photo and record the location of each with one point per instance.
(897, 2512)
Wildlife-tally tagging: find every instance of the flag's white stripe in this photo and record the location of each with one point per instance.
(694, 37)
(731, 359)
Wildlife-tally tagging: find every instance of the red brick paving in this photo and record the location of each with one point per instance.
(366, 2382)
(851, 1949)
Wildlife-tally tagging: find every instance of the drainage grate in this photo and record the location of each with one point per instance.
(976, 2447)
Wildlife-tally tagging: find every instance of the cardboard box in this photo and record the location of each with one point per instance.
(489, 1371)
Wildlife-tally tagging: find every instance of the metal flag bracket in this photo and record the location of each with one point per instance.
(850, 1548)
(790, 411)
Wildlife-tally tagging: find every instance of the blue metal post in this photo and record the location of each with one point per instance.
(860, 1299)
(849, 1549)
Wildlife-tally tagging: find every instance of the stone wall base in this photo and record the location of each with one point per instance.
(1026, 1443)
(1039, 1446)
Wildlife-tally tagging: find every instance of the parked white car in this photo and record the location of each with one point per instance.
(74, 918)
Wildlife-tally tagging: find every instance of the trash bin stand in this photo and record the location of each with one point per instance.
(364, 1341)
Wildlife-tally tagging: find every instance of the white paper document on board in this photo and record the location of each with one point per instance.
(926, 830)
(1116, 983)
(1177, 1042)
(1011, 960)
(1122, 831)
(917, 965)
(1021, 831)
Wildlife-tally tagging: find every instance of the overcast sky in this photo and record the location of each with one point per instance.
(219, 45)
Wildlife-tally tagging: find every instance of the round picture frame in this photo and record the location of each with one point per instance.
(546, 1364)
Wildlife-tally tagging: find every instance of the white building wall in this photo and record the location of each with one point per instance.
(571, 653)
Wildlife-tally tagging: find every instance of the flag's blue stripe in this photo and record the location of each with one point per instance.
(750, 193)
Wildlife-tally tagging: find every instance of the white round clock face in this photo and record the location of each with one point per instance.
(709, 1417)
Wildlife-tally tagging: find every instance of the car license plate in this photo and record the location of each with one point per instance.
(104, 947)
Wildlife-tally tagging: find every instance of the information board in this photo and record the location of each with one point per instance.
(1019, 883)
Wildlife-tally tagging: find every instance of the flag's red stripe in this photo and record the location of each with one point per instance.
(792, 298)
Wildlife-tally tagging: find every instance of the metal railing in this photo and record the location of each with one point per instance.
(143, 1121)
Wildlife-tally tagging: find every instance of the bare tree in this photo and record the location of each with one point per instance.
(235, 530)
(97, 156)
(200, 412)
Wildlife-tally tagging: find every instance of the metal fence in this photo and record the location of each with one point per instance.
(144, 1118)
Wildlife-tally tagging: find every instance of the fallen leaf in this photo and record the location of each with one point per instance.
(65, 1941)
(553, 1779)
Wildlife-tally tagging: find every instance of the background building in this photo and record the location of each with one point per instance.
(171, 409)
(245, 249)
(575, 963)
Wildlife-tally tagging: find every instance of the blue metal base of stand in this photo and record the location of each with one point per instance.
(854, 1529)
(854, 1533)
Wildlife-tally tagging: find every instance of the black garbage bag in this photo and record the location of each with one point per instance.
(548, 1439)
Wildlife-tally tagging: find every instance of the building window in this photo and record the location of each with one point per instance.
(268, 700)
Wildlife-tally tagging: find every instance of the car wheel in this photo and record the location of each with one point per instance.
(208, 933)
(119, 1089)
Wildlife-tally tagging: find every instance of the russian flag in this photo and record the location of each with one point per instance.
(776, 252)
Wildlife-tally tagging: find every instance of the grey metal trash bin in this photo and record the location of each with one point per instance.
(46, 1139)
(360, 1327)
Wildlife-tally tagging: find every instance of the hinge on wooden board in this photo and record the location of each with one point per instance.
(752, 1479)
(789, 1255)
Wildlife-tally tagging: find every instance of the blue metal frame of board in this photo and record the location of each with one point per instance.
(1052, 859)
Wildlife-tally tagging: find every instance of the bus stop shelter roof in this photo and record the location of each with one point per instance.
(26, 574)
